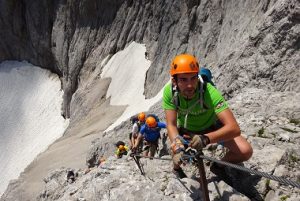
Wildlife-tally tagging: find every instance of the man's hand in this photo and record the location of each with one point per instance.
(133, 149)
(177, 148)
(199, 142)
(177, 145)
(177, 158)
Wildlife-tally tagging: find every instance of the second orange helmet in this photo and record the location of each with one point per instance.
(142, 116)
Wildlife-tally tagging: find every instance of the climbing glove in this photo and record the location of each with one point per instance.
(199, 142)
(177, 158)
(177, 148)
(177, 145)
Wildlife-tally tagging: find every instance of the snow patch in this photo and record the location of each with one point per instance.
(127, 69)
(30, 116)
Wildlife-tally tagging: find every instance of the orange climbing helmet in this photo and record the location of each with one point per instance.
(142, 116)
(151, 122)
(184, 63)
(121, 147)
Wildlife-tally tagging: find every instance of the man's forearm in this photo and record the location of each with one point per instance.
(172, 132)
(228, 131)
(224, 134)
(137, 142)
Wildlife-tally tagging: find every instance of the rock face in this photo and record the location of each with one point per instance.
(273, 155)
(249, 43)
(251, 46)
(118, 177)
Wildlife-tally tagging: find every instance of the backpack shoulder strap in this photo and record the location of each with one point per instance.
(175, 97)
(202, 89)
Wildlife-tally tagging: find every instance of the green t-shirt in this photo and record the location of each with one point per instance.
(198, 118)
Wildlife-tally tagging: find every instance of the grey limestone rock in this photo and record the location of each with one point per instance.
(251, 46)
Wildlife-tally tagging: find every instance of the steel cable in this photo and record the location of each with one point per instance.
(255, 172)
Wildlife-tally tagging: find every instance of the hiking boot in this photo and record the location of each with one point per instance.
(220, 172)
(179, 173)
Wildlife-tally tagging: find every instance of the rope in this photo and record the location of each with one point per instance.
(255, 172)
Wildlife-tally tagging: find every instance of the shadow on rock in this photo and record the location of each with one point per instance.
(241, 181)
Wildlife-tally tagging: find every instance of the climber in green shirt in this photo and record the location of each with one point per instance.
(196, 110)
